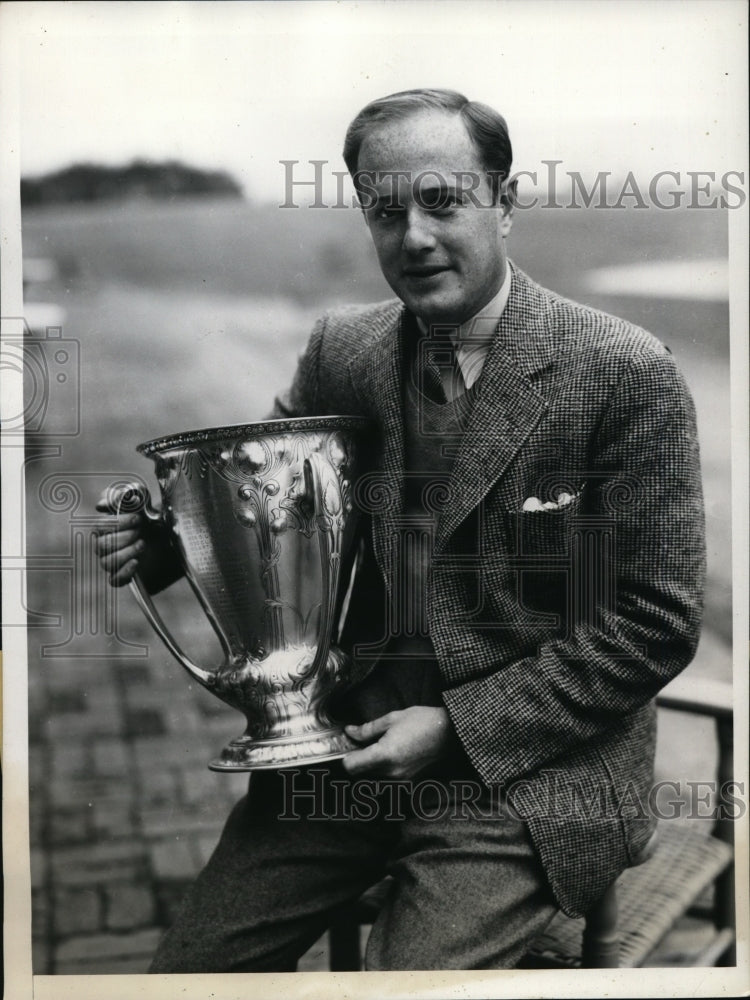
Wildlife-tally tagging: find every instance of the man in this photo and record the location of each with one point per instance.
(548, 454)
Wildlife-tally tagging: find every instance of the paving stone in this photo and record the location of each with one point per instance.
(37, 694)
(84, 790)
(37, 728)
(185, 719)
(77, 911)
(129, 906)
(157, 785)
(73, 674)
(222, 728)
(101, 947)
(41, 957)
(134, 674)
(200, 786)
(111, 757)
(211, 706)
(41, 912)
(103, 694)
(106, 704)
(123, 861)
(166, 751)
(165, 821)
(144, 696)
(233, 786)
(173, 859)
(69, 826)
(38, 813)
(38, 767)
(136, 966)
(61, 728)
(112, 819)
(39, 867)
(145, 721)
(67, 700)
(71, 759)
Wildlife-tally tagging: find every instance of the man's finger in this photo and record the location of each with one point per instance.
(372, 730)
(117, 523)
(124, 575)
(367, 761)
(113, 541)
(113, 562)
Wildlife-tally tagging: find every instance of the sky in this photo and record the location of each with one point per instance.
(598, 84)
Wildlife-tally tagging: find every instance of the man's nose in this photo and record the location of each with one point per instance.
(418, 236)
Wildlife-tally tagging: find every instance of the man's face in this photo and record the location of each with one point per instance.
(445, 262)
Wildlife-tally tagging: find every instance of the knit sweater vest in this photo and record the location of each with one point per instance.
(409, 673)
(432, 434)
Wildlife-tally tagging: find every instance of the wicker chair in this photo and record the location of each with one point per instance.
(684, 870)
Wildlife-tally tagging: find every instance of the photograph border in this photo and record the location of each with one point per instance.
(20, 983)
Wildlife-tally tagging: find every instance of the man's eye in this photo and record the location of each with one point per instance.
(388, 212)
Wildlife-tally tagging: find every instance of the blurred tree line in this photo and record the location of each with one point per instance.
(139, 179)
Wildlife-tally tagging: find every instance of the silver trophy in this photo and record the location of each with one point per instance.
(263, 519)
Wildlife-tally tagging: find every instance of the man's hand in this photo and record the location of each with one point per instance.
(119, 544)
(401, 744)
(128, 543)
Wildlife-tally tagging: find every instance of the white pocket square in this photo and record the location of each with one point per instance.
(563, 499)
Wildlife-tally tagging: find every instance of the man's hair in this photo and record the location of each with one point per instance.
(486, 127)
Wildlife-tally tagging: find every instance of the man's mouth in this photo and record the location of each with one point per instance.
(423, 272)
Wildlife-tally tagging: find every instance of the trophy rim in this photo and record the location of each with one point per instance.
(181, 439)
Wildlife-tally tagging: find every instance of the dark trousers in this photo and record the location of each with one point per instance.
(468, 890)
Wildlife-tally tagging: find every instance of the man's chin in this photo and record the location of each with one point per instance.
(432, 309)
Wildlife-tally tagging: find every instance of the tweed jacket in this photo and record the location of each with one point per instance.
(553, 629)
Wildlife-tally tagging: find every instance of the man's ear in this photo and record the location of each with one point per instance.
(507, 201)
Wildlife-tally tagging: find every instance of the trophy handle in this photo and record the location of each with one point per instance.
(324, 490)
(137, 498)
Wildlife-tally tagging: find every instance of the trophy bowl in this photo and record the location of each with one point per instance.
(263, 519)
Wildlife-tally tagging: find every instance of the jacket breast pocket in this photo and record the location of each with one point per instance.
(538, 534)
(540, 563)
(534, 534)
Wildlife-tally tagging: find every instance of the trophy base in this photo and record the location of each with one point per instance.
(245, 754)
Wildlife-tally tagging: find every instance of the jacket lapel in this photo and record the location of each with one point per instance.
(507, 407)
(506, 410)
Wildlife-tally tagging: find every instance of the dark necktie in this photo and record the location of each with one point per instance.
(433, 360)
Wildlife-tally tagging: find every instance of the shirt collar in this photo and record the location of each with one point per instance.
(472, 339)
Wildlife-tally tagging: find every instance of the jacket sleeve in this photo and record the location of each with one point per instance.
(301, 399)
(523, 715)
